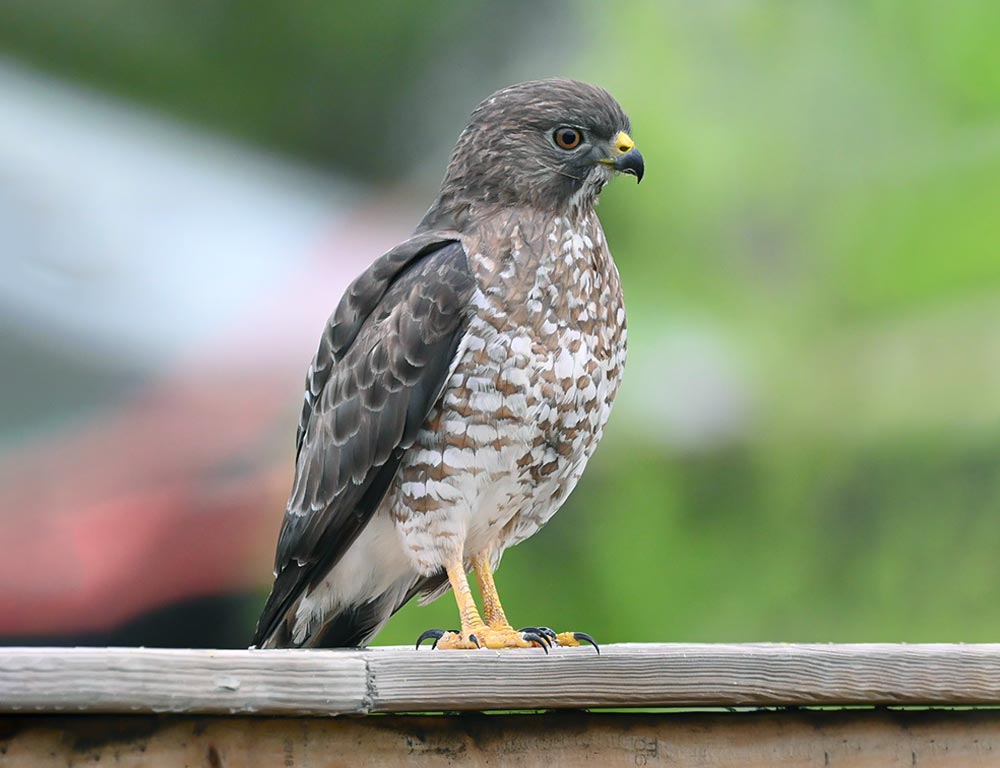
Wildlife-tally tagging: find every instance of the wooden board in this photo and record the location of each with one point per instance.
(297, 682)
(846, 739)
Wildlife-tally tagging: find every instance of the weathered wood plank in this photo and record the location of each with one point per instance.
(166, 680)
(697, 675)
(846, 739)
(404, 680)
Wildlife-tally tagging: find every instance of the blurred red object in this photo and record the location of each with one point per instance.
(177, 495)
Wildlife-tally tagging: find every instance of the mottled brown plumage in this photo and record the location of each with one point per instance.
(463, 382)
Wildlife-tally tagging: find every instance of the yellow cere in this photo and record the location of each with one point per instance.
(623, 143)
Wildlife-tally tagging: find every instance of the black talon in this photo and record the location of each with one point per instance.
(533, 637)
(475, 639)
(549, 633)
(437, 634)
(583, 637)
(544, 633)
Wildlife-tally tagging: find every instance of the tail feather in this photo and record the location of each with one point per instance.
(351, 627)
(273, 628)
(357, 625)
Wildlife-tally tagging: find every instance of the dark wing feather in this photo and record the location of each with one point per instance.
(380, 368)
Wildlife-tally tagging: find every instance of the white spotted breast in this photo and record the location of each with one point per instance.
(530, 393)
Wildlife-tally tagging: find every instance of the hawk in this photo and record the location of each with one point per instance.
(462, 383)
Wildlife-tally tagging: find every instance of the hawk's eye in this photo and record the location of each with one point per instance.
(567, 138)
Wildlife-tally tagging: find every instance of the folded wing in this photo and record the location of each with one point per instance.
(382, 364)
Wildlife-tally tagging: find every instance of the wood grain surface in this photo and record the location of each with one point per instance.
(300, 682)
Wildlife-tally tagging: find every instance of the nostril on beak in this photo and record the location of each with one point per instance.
(623, 143)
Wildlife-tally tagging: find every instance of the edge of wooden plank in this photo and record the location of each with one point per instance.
(333, 682)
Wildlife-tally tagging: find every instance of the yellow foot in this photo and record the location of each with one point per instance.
(573, 639)
(504, 637)
(486, 637)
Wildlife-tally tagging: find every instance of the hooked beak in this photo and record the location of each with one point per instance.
(625, 158)
(631, 162)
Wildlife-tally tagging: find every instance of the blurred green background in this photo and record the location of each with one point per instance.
(807, 443)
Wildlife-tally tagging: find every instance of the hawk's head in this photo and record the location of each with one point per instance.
(548, 144)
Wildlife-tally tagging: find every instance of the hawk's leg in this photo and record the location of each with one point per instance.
(475, 633)
(496, 619)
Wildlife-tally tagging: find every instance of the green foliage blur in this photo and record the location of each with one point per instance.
(807, 444)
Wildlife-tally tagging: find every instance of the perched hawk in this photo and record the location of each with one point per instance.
(462, 383)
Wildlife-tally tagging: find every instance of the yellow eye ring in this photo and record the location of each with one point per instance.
(567, 138)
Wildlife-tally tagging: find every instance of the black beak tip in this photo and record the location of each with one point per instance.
(631, 162)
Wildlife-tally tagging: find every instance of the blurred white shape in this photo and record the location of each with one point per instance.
(126, 235)
(685, 387)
